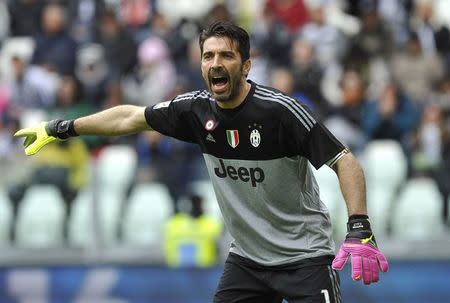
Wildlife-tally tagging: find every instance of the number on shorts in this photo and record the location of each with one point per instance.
(326, 295)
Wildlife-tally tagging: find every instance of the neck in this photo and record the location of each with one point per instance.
(240, 97)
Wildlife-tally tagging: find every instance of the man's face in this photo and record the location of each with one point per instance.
(222, 68)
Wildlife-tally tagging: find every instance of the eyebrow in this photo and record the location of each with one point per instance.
(224, 52)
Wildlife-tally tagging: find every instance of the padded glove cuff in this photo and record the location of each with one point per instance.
(62, 129)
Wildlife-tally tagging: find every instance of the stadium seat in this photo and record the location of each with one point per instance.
(384, 163)
(80, 222)
(204, 188)
(116, 167)
(331, 196)
(40, 219)
(380, 204)
(385, 168)
(148, 208)
(113, 173)
(417, 213)
(448, 212)
(82, 230)
(5, 217)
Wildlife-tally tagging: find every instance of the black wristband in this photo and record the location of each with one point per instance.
(61, 129)
(352, 217)
(71, 130)
(358, 223)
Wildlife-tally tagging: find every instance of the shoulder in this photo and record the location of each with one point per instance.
(187, 100)
(193, 97)
(196, 95)
(290, 107)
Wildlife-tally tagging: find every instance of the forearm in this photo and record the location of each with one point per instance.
(352, 183)
(115, 121)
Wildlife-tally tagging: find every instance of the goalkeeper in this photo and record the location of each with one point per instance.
(258, 144)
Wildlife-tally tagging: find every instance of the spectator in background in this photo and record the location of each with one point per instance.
(395, 14)
(191, 237)
(94, 74)
(308, 75)
(55, 49)
(136, 17)
(83, 17)
(4, 22)
(328, 41)
(433, 36)
(375, 37)
(393, 116)
(441, 96)
(218, 12)
(282, 79)
(32, 87)
(346, 118)
(416, 72)
(135, 13)
(260, 63)
(159, 25)
(5, 93)
(372, 67)
(155, 77)
(25, 17)
(188, 71)
(119, 45)
(291, 13)
(179, 37)
(430, 156)
(6, 123)
(273, 37)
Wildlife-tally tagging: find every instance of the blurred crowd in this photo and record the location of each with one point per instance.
(370, 69)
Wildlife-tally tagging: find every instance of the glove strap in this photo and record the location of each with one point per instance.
(358, 223)
(62, 129)
(358, 228)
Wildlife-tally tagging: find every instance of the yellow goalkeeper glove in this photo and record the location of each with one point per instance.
(44, 133)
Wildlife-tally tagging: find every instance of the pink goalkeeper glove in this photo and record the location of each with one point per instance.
(361, 246)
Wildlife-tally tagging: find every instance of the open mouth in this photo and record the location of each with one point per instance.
(219, 83)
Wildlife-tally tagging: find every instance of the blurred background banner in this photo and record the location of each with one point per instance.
(406, 282)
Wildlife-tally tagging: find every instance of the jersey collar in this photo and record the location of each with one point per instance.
(233, 111)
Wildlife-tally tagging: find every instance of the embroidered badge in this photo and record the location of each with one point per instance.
(255, 138)
(233, 138)
(209, 125)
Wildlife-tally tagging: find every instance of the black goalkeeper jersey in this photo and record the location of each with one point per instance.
(258, 157)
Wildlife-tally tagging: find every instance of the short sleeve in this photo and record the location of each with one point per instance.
(173, 118)
(308, 137)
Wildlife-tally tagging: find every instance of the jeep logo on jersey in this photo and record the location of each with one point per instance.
(254, 175)
(255, 138)
(233, 138)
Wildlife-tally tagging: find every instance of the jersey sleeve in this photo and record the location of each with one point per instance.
(173, 118)
(308, 137)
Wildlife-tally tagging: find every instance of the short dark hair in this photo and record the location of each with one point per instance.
(231, 31)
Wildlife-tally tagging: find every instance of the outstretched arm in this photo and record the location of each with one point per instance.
(115, 121)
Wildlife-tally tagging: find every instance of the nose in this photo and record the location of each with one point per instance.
(217, 61)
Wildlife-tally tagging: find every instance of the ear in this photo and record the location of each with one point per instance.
(246, 67)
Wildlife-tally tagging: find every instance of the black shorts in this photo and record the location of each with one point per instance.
(309, 281)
